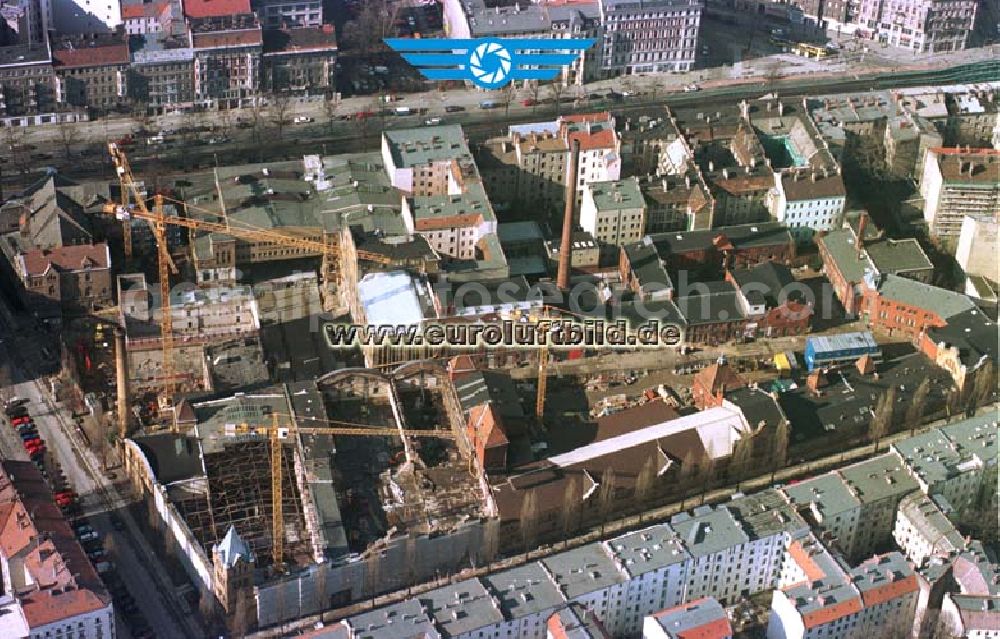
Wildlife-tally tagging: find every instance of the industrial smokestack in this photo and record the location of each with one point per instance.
(121, 375)
(562, 277)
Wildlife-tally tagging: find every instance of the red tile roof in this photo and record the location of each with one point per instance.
(66, 583)
(715, 629)
(90, 56)
(223, 39)
(831, 613)
(210, 8)
(143, 10)
(66, 258)
(600, 116)
(801, 557)
(889, 591)
(604, 139)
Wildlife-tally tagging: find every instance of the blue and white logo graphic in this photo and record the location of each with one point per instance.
(490, 63)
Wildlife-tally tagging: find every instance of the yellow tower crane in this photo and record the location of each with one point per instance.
(159, 221)
(276, 432)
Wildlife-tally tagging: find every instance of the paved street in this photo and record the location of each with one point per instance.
(136, 562)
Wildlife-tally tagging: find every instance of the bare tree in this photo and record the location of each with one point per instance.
(225, 121)
(706, 476)
(779, 453)
(373, 573)
(557, 89)
(644, 480)
(374, 23)
(330, 111)
(739, 462)
(69, 135)
(242, 614)
(882, 416)
(529, 520)
(6, 381)
(257, 127)
(491, 541)
(16, 149)
(534, 88)
(984, 387)
(571, 507)
(606, 496)
(918, 405)
(281, 107)
(507, 95)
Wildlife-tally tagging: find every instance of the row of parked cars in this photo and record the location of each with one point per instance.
(20, 418)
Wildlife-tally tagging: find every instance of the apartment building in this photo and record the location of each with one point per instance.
(977, 246)
(656, 563)
(66, 278)
(587, 575)
(649, 35)
(830, 507)
(278, 14)
(879, 484)
(227, 55)
(451, 224)
(50, 586)
(142, 18)
(488, 19)
(678, 203)
(942, 466)
(808, 201)
(27, 82)
(576, 621)
(969, 616)
(821, 598)
(900, 306)
(91, 72)
(923, 531)
(700, 618)
(527, 597)
(197, 313)
(162, 74)
(299, 59)
(427, 161)
(927, 26)
(956, 183)
(614, 212)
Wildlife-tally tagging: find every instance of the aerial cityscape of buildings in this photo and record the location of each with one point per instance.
(696, 340)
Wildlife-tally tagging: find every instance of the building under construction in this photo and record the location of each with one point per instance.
(373, 464)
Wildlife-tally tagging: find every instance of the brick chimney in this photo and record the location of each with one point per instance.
(562, 276)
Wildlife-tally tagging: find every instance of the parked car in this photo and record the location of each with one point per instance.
(23, 419)
(65, 499)
(89, 536)
(302, 119)
(104, 567)
(34, 442)
(432, 121)
(29, 425)
(97, 555)
(691, 88)
(453, 108)
(82, 528)
(29, 433)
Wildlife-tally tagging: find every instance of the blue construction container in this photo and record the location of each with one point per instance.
(846, 348)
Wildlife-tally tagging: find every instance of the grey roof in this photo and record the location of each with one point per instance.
(404, 620)
(976, 436)
(708, 530)
(757, 406)
(254, 409)
(647, 550)
(578, 621)
(833, 586)
(583, 570)
(943, 302)
(766, 514)
(480, 387)
(883, 477)
(973, 333)
(173, 457)
(720, 304)
(519, 232)
(461, 608)
(424, 145)
(523, 591)
(766, 284)
(690, 616)
(741, 235)
(880, 571)
(617, 194)
(932, 524)
(646, 265)
(473, 201)
(930, 456)
(898, 256)
(829, 493)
